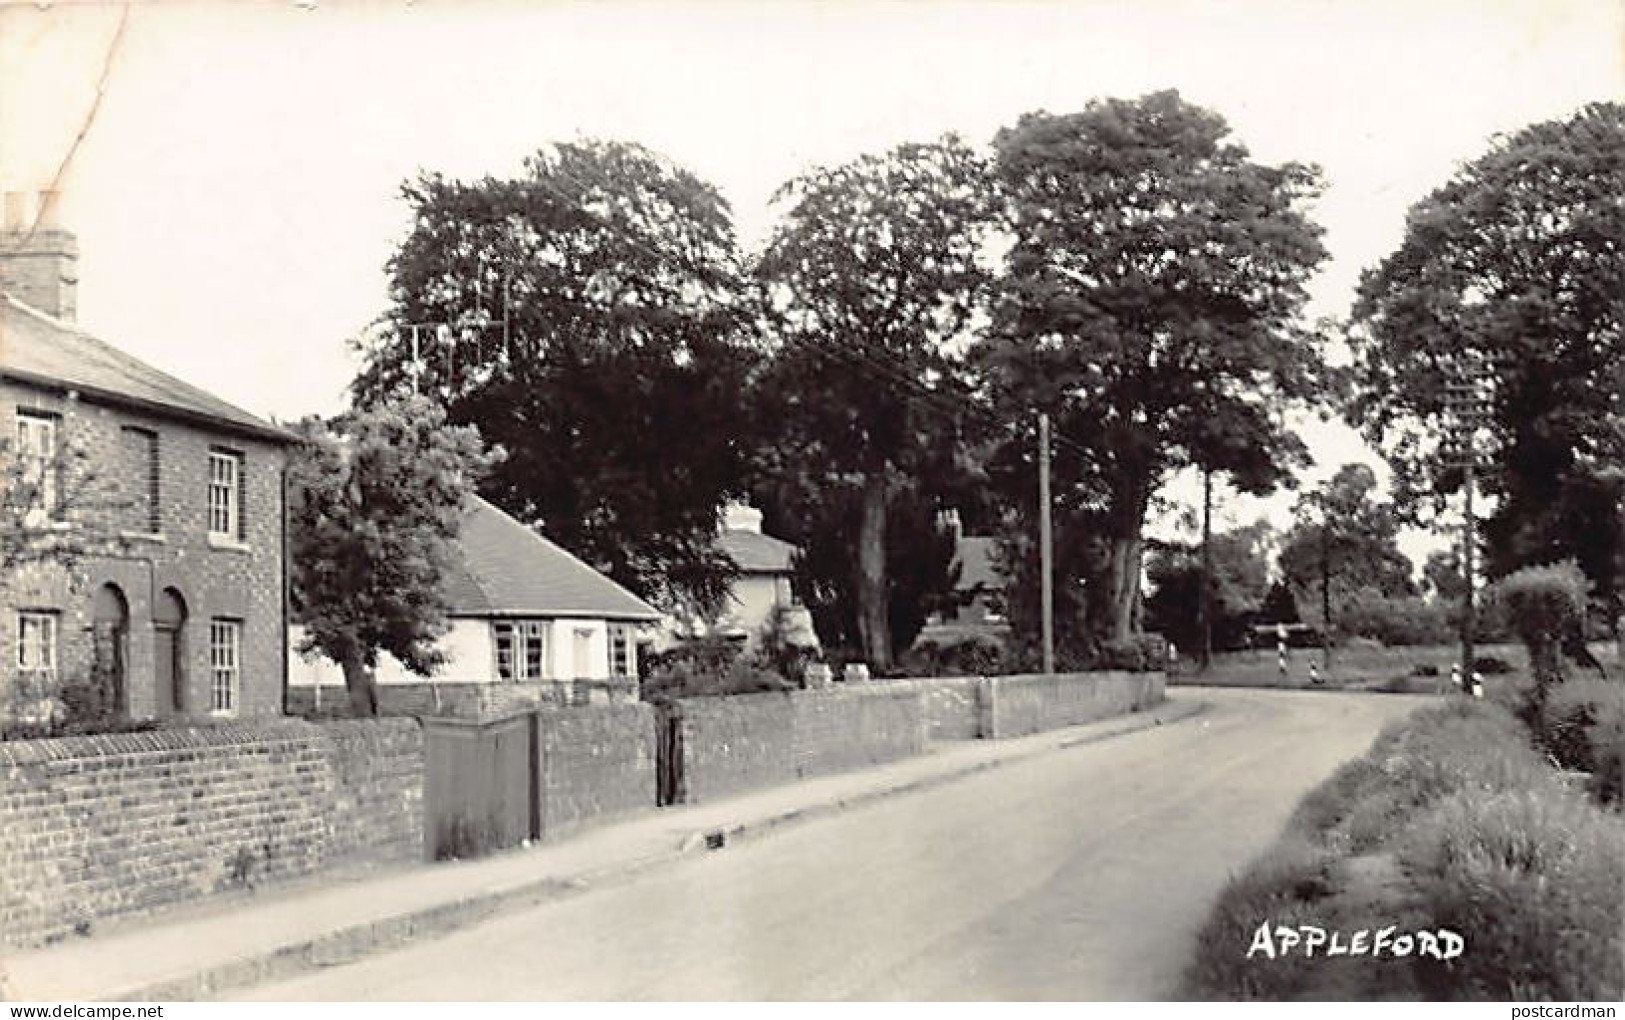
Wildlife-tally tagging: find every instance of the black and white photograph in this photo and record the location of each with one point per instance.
(865, 501)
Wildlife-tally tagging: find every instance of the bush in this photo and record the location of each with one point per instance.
(1585, 730)
(1533, 881)
(969, 657)
(710, 667)
(1394, 620)
(1545, 605)
(1142, 653)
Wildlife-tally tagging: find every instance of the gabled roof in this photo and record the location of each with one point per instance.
(977, 563)
(38, 349)
(756, 553)
(506, 569)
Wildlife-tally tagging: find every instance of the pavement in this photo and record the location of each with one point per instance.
(206, 950)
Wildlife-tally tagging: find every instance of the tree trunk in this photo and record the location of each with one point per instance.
(874, 616)
(1116, 611)
(359, 681)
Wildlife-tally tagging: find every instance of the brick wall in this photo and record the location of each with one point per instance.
(741, 743)
(595, 763)
(462, 699)
(952, 706)
(237, 581)
(115, 825)
(1018, 705)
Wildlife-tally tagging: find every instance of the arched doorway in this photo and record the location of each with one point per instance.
(110, 625)
(168, 652)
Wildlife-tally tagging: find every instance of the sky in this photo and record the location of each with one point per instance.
(232, 169)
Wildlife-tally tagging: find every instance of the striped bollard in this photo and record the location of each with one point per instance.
(1280, 647)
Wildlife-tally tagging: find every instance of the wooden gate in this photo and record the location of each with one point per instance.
(669, 785)
(480, 791)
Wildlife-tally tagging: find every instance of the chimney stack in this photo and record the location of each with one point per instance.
(39, 260)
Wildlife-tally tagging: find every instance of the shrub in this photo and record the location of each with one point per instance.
(1585, 730)
(968, 657)
(709, 667)
(1394, 620)
(1142, 653)
(1545, 605)
(1533, 881)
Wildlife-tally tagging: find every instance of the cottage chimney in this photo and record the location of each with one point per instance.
(39, 260)
(742, 517)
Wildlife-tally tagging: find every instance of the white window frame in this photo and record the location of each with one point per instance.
(528, 649)
(225, 488)
(225, 666)
(38, 636)
(37, 436)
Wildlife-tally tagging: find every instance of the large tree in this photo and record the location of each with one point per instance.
(1344, 547)
(1152, 307)
(873, 269)
(1511, 273)
(1237, 579)
(597, 332)
(375, 505)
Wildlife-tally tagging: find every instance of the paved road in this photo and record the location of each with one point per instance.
(1082, 874)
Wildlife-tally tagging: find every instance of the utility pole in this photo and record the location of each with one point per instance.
(1468, 404)
(1046, 552)
(1204, 602)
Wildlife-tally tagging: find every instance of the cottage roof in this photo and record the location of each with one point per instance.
(756, 553)
(506, 569)
(38, 349)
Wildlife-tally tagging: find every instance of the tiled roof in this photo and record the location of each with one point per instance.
(38, 349)
(978, 563)
(506, 569)
(756, 553)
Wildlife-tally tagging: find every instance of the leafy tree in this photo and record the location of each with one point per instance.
(1151, 306)
(597, 331)
(1345, 543)
(873, 268)
(1238, 584)
(1443, 575)
(39, 493)
(1280, 605)
(375, 506)
(1513, 266)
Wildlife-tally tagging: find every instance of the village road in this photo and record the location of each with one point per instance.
(1081, 874)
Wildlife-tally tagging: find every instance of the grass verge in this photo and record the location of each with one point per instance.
(1452, 822)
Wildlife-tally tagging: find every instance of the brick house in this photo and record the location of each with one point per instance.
(185, 617)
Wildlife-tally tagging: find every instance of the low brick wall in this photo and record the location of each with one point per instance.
(1019, 705)
(462, 699)
(734, 744)
(595, 763)
(112, 825)
(952, 705)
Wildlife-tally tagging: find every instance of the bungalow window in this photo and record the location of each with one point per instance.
(620, 650)
(521, 647)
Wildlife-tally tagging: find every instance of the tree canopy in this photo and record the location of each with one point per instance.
(1151, 305)
(1511, 272)
(597, 329)
(873, 269)
(1347, 541)
(1238, 583)
(375, 506)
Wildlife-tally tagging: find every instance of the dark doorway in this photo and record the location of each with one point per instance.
(110, 624)
(169, 651)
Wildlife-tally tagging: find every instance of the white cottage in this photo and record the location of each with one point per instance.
(522, 611)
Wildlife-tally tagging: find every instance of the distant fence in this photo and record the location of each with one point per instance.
(462, 699)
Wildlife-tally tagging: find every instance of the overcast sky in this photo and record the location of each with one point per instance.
(234, 192)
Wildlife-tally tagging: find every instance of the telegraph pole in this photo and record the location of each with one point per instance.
(1468, 405)
(1046, 552)
(1204, 603)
